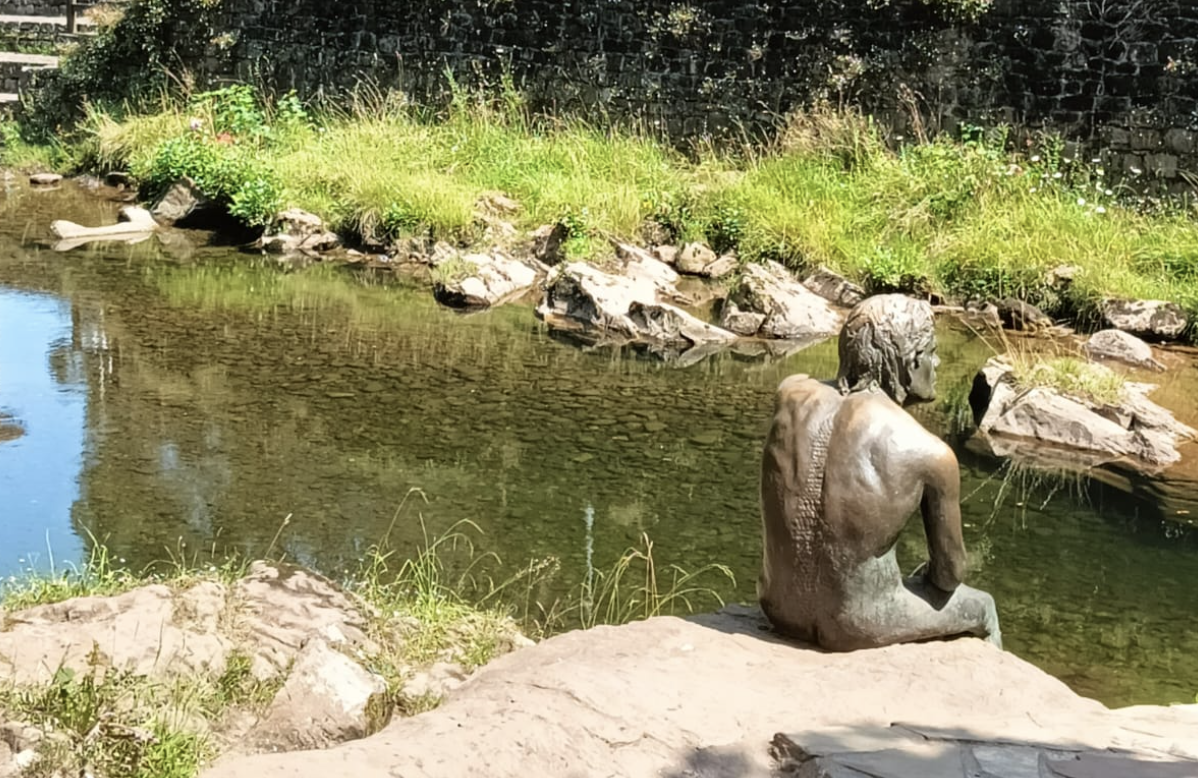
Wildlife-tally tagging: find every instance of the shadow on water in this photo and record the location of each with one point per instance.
(216, 396)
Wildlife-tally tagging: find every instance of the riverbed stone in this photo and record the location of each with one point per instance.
(485, 280)
(1022, 316)
(1136, 427)
(640, 263)
(45, 179)
(834, 287)
(297, 230)
(1123, 347)
(695, 258)
(179, 201)
(1156, 320)
(703, 698)
(791, 310)
(547, 243)
(580, 297)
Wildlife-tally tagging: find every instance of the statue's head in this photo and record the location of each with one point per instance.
(889, 341)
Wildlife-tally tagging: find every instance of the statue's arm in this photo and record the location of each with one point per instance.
(941, 510)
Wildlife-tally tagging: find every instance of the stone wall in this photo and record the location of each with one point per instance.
(1122, 74)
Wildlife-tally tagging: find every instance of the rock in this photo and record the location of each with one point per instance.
(703, 698)
(698, 260)
(834, 287)
(497, 204)
(1156, 320)
(1061, 277)
(327, 699)
(983, 313)
(745, 323)
(118, 179)
(581, 297)
(45, 179)
(667, 254)
(791, 310)
(134, 225)
(1137, 427)
(484, 280)
(694, 259)
(296, 230)
(1018, 315)
(437, 681)
(547, 243)
(179, 201)
(1121, 346)
(639, 263)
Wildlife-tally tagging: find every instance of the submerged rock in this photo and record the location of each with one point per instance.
(1121, 346)
(1136, 427)
(703, 698)
(481, 280)
(601, 305)
(786, 308)
(1150, 319)
(134, 225)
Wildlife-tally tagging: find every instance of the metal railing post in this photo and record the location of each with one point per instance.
(72, 24)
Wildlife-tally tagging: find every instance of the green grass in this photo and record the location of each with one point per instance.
(1071, 376)
(961, 218)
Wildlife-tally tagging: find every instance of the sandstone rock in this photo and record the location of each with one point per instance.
(328, 699)
(581, 297)
(296, 230)
(639, 263)
(1137, 427)
(983, 313)
(179, 201)
(485, 280)
(667, 254)
(547, 243)
(45, 179)
(436, 681)
(1016, 314)
(1149, 319)
(791, 310)
(703, 699)
(834, 287)
(1121, 346)
(694, 259)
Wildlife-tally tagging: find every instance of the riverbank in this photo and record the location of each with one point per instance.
(957, 220)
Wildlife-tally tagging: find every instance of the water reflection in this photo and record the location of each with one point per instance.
(43, 391)
(224, 398)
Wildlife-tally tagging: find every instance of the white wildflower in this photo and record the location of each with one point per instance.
(1035, 158)
(1081, 201)
(1056, 174)
(1100, 209)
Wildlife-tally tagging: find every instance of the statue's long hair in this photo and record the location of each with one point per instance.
(880, 343)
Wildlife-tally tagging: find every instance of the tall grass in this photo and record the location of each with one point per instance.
(968, 217)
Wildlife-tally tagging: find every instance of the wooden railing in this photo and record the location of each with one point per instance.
(75, 9)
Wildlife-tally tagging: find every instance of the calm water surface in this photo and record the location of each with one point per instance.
(174, 398)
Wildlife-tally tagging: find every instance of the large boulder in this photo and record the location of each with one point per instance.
(477, 280)
(697, 259)
(784, 308)
(639, 263)
(834, 287)
(179, 201)
(1122, 347)
(1022, 316)
(1134, 427)
(1156, 320)
(602, 305)
(719, 695)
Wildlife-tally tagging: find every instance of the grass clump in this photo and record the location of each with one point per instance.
(1072, 376)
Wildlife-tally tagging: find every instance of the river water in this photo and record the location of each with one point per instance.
(174, 400)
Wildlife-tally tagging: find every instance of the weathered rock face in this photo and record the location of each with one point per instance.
(697, 259)
(640, 264)
(1137, 427)
(786, 308)
(179, 201)
(1123, 347)
(601, 305)
(703, 698)
(1156, 320)
(483, 280)
(834, 287)
(327, 699)
(296, 230)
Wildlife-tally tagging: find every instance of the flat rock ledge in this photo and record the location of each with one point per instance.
(719, 695)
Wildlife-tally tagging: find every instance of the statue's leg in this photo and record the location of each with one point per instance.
(913, 612)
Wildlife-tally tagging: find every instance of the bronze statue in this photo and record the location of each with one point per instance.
(844, 468)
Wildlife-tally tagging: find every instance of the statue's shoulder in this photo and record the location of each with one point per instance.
(801, 386)
(886, 422)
